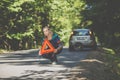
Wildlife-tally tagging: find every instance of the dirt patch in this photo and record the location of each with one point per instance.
(94, 67)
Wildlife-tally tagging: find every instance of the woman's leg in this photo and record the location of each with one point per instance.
(47, 56)
(50, 56)
(53, 58)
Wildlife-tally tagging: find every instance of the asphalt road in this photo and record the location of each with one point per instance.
(27, 65)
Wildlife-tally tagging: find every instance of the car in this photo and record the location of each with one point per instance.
(81, 38)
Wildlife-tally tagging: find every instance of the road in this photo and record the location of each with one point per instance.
(27, 65)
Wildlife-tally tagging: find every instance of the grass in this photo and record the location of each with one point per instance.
(110, 51)
(3, 51)
(113, 60)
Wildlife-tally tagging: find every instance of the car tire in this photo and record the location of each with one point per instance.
(78, 46)
(71, 48)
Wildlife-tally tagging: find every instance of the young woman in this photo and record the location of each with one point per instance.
(55, 41)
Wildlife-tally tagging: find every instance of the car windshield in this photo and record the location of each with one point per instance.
(81, 33)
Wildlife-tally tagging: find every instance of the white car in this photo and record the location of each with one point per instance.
(81, 38)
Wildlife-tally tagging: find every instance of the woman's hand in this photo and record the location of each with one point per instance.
(55, 51)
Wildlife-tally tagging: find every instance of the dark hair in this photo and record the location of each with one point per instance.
(46, 27)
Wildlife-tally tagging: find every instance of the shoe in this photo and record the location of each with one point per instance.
(54, 63)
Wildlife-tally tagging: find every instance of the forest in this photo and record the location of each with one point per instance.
(21, 21)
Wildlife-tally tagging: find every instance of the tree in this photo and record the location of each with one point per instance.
(104, 17)
(65, 16)
(22, 20)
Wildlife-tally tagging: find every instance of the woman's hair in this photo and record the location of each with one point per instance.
(46, 27)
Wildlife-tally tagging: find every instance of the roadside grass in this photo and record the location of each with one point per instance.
(3, 51)
(113, 60)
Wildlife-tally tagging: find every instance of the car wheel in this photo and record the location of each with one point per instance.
(78, 46)
(71, 48)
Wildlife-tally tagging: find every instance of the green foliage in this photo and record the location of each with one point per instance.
(22, 20)
(65, 15)
(16, 5)
(110, 51)
(114, 60)
(3, 51)
(104, 16)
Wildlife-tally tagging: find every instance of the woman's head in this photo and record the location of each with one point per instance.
(46, 30)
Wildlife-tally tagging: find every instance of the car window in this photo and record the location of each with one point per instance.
(81, 33)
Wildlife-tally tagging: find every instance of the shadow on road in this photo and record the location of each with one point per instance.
(30, 58)
(66, 58)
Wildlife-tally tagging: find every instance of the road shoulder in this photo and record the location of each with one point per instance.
(94, 67)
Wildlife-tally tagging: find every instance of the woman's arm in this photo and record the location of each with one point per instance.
(59, 48)
(58, 43)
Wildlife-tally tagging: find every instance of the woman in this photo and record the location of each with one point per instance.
(55, 41)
